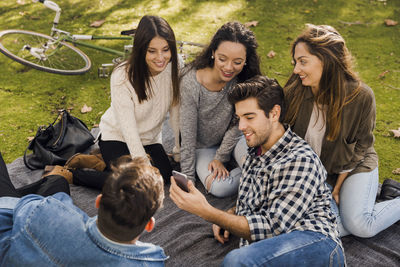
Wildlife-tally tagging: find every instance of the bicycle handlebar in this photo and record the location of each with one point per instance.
(53, 6)
(49, 4)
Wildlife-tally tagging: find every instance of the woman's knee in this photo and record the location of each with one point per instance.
(228, 187)
(221, 189)
(359, 225)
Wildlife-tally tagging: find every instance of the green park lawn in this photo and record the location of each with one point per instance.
(30, 98)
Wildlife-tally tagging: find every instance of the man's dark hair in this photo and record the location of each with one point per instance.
(266, 91)
(130, 197)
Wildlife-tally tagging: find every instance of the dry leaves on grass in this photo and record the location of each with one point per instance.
(383, 74)
(396, 171)
(86, 109)
(396, 133)
(390, 22)
(271, 54)
(30, 138)
(249, 24)
(97, 23)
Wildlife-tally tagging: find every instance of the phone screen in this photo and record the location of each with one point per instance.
(181, 180)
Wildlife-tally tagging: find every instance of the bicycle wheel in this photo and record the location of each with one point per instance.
(43, 52)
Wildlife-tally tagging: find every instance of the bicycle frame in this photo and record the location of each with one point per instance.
(75, 40)
(61, 35)
(57, 52)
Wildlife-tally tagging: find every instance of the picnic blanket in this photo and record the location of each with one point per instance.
(188, 239)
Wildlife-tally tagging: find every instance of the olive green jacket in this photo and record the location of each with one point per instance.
(353, 149)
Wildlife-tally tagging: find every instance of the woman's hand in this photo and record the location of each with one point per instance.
(335, 195)
(338, 185)
(218, 170)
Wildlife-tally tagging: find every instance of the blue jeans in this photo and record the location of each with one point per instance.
(297, 248)
(229, 186)
(359, 214)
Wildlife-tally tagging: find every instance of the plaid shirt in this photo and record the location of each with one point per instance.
(284, 190)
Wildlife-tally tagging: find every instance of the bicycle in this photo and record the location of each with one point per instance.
(56, 53)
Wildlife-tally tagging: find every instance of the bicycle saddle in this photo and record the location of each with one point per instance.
(129, 32)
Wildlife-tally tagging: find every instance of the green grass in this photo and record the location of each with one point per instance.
(29, 98)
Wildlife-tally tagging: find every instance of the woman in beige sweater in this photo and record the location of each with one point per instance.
(143, 90)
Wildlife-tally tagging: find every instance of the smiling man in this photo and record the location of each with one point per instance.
(282, 213)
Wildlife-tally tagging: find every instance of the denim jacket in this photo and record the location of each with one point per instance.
(51, 231)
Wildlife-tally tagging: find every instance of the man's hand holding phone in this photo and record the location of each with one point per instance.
(181, 180)
(186, 196)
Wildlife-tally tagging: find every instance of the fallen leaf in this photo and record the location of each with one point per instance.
(396, 171)
(30, 138)
(97, 23)
(390, 22)
(382, 75)
(20, 2)
(271, 54)
(86, 109)
(249, 24)
(22, 13)
(96, 125)
(396, 133)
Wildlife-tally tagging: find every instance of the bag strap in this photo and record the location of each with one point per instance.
(26, 162)
(59, 113)
(64, 117)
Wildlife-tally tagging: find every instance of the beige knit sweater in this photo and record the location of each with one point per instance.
(139, 124)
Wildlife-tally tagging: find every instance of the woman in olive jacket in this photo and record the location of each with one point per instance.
(335, 112)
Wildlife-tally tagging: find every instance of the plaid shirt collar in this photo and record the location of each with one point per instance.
(275, 149)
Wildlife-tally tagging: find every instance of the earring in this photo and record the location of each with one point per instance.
(212, 57)
(245, 63)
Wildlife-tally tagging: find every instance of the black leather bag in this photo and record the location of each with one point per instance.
(55, 144)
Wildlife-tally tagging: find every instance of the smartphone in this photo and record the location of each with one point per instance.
(181, 180)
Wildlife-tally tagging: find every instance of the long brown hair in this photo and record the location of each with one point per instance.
(336, 86)
(138, 71)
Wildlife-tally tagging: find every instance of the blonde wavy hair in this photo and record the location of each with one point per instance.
(335, 89)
